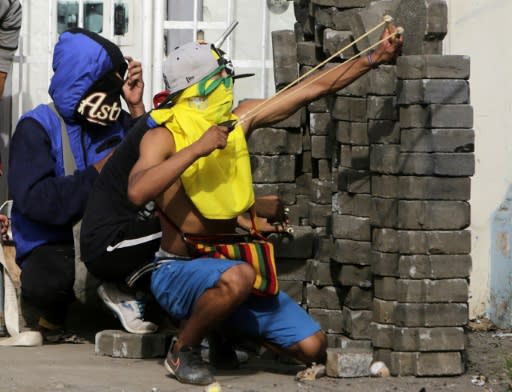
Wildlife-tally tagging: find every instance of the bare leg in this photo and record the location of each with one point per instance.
(309, 350)
(216, 304)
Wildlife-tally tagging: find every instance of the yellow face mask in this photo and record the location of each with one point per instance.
(220, 184)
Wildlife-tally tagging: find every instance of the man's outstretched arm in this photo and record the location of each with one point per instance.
(254, 114)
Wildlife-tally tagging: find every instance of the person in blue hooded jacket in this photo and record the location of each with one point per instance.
(90, 77)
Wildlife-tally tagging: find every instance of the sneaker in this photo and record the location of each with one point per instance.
(129, 310)
(187, 366)
(220, 353)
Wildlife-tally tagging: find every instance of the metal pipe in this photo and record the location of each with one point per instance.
(226, 34)
(147, 12)
(158, 43)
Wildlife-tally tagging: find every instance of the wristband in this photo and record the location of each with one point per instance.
(371, 63)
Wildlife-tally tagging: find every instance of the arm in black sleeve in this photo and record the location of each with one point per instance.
(33, 185)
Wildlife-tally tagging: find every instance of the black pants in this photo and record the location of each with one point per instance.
(134, 246)
(47, 277)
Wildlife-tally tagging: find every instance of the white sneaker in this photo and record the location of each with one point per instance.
(129, 310)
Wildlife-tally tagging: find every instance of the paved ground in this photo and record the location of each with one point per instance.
(75, 367)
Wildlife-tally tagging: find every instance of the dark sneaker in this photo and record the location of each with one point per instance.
(221, 353)
(188, 366)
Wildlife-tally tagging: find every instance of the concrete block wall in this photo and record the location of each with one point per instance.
(377, 179)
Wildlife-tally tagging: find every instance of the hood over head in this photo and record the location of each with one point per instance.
(80, 59)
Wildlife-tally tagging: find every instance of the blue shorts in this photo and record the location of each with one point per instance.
(177, 286)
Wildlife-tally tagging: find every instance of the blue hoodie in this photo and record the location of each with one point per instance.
(46, 202)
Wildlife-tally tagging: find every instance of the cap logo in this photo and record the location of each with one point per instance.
(189, 78)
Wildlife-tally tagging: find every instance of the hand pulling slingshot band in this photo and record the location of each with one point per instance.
(387, 20)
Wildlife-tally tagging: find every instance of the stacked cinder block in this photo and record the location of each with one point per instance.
(382, 184)
(421, 307)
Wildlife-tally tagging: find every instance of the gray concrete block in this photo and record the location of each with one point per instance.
(358, 276)
(403, 363)
(320, 124)
(381, 107)
(351, 227)
(284, 49)
(434, 188)
(121, 344)
(349, 109)
(287, 192)
(433, 215)
(437, 140)
(436, 116)
(385, 186)
(440, 364)
(385, 240)
(354, 181)
(346, 343)
(366, 19)
(441, 164)
(291, 269)
(435, 242)
(295, 120)
(385, 158)
(273, 141)
(360, 157)
(383, 311)
(301, 11)
(385, 264)
(440, 290)
(430, 315)
(319, 214)
(433, 67)
(385, 212)
(298, 30)
(329, 320)
(382, 335)
(327, 297)
(323, 15)
(323, 273)
(341, 18)
(359, 298)
(309, 53)
(321, 147)
(293, 288)
(432, 91)
(383, 132)
(429, 339)
(321, 191)
(298, 245)
(434, 266)
(324, 169)
(320, 105)
(272, 169)
(355, 133)
(345, 155)
(423, 21)
(303, 184)
(352, 252)
(335, 40)
(383, 80)
(352, 204)
(356, 323)
(323, 249)
(346, 364)
(385, 288)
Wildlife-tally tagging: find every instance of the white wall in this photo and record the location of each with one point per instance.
(480, 29)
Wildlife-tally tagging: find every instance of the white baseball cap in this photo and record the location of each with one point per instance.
(187, 65)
